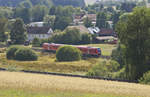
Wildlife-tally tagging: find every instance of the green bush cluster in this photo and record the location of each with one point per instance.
(11, 52)
(104, 69)
(145, 79)
(36, 42)
(71, 36)
(21, 53)
(68, 53)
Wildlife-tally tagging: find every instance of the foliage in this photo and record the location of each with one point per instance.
(11, 52)
(25, 54)
(3, 28)
(101, 20)
(38, 12)
(86, 38)
(36, 42)
(75, 3)
(118, 55)
(127, 6)
(49, 21)
(68, 53)
(134, 35)
(145, 79)
(104, 69)
(18, 32)
(87, 22)
(61, 22)
(24, 13)
(69, 36)
(6, 12)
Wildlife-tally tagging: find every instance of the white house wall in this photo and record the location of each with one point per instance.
(40, 36)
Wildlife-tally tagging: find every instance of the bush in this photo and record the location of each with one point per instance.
(68, 53)
(145, 79)
(25, 54)
(104, 69)
(36, 42)
(10, 54)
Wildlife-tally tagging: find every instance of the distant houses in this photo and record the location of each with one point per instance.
(38, 30)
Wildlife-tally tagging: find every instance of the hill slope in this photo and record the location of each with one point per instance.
(14, 3)
(47, 83)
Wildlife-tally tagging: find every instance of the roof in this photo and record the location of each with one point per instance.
(91, 16)
(39, 24)
(106, 31)
(39, 30)
(93, 30)
(81, 28)
(106, 38)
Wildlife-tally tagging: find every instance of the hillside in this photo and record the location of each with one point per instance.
(14, 3)
(36, 85)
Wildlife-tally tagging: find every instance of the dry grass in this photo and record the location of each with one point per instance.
(37, 82)
(47, 62)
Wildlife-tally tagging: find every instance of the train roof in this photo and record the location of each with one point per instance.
(74, 45)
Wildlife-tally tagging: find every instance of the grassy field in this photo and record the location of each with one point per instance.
(16, 84)
(47, 62)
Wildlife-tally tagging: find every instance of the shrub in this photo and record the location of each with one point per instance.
(68, 53)
(145, 79)
(10, 54)
(25, 54)
(104, 69)
(36, 42)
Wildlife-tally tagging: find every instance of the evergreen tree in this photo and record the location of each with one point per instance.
(3, 25)
(101, 20)
(18, 32)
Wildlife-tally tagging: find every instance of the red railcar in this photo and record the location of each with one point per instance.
(84, 49)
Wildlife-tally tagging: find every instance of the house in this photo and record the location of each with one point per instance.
(36, 24)
(39, 32)
(77, 19)
(91, 17)
(94, 30)
(106, 32)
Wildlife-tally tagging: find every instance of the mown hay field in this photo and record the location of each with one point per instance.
(17, 84)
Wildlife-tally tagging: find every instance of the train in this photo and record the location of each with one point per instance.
(86, 50)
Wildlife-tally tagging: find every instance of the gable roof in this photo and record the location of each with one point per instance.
(105, 31)
(39, 30)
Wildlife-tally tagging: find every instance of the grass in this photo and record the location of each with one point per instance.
(16, 84)
(47, 62)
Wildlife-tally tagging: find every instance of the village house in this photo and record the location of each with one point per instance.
(39, 32)
(36, 24)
